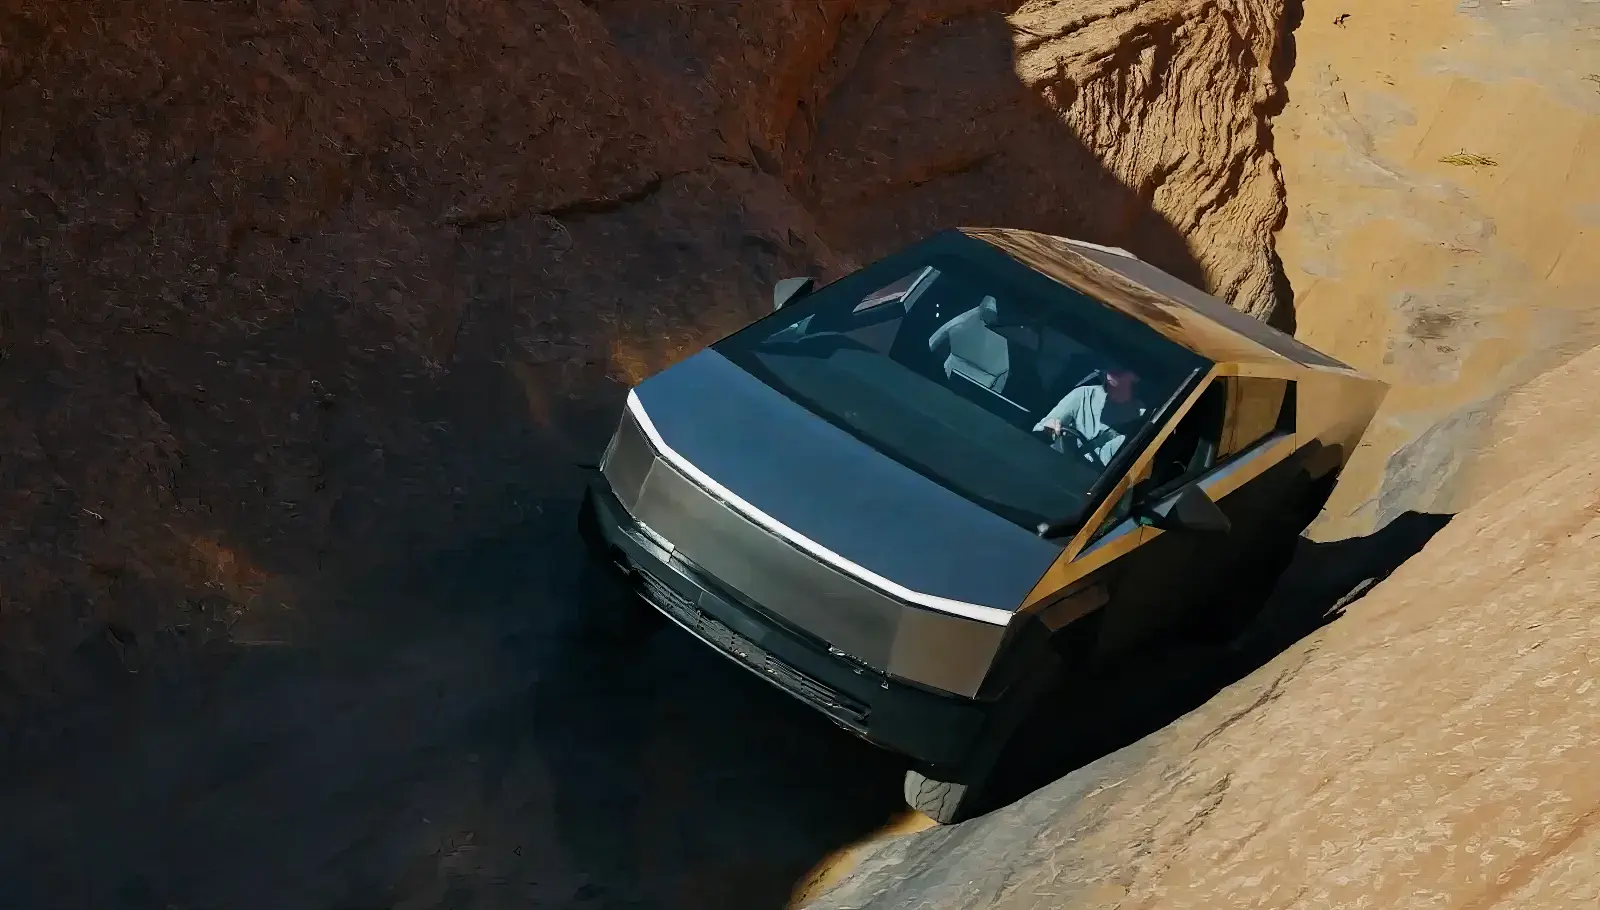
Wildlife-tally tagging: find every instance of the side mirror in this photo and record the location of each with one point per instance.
(789, 290)
(1190, 509)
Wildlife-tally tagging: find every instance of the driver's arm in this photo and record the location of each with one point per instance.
(1071, 403)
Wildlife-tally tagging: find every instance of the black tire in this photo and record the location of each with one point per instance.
(946, 802)
(612, 611)
(949, 802)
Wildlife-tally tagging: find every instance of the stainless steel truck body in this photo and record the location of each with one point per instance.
(916, 496)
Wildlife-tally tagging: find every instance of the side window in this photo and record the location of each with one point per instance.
(1233, 414)
(1254, 410)
(1189, 451)
(1117, 515)
(1192, 447)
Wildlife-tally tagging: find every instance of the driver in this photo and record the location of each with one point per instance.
(1097, 415)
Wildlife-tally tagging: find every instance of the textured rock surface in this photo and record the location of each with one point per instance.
(950, 117)
(309, 306)
(294, 287)
(1430, 748)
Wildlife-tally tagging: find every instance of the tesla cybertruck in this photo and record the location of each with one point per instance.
(918, 497)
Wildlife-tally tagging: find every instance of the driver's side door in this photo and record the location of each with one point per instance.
(1235, 443)
(1168, 572)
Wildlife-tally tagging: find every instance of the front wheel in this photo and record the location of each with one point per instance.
(946, 802)
(949, 802)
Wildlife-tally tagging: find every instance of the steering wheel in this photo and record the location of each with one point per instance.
(1079, 444)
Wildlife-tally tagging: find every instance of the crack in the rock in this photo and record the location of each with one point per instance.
(1071, 26)
(1272, 693)
(953, 169)
(604, 204)
(843, 75)
(597, 205)
(1213, 798)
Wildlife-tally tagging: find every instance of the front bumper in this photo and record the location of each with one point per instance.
(933, 729)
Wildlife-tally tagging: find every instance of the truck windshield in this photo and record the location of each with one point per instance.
(1002, 385)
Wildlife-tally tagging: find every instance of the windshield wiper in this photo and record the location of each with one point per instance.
(1114, 472)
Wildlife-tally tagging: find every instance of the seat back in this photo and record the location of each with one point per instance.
(977, 352)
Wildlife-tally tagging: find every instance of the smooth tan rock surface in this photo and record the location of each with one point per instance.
(1442, 160)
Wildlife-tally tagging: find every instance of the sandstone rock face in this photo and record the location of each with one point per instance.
(1139, 124)
(300, 294)
(295, 289)
(1443, 165)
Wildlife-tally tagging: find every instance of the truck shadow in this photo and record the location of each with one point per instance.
(679, 780)
(579, 772)
(1094, 716)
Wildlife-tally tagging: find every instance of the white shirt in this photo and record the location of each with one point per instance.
(1084, 410)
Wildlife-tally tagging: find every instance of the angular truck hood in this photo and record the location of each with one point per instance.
(831, 494)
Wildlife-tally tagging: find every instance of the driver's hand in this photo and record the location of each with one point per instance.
(1054, 426)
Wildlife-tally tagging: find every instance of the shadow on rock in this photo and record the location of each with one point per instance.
(680, 780)
(452, 741)
(1327, 577)
(594, 774)
(1098, 714)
